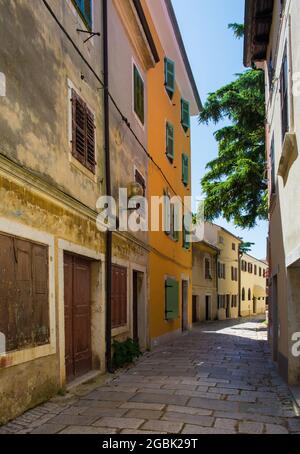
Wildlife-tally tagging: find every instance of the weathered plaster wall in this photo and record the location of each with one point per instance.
(284, 211)
(41, 185)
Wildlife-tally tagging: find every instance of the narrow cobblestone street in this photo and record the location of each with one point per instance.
(219, 379)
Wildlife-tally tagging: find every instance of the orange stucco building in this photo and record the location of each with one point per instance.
(172, 99)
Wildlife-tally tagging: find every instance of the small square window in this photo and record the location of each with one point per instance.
(138, 88)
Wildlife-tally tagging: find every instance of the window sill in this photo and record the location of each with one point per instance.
(16, 358)
(88, 173)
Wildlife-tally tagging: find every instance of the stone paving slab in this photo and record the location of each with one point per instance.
(218, 379)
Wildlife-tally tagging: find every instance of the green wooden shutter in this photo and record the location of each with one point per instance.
(176, 223)
(170, 77)
(185, 242)
(167, 214)
(139, 95)
(185, 169)
(170, 141)
(185, 114)
(172, 299)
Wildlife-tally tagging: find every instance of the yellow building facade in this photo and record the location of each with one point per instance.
(253, 286)
(172, 98)
(205, 257)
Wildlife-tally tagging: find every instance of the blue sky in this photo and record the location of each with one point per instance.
(215, 56)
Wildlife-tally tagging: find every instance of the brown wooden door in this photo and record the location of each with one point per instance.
(77, 281)
(195, 309)
(119, 296)
(135, 306)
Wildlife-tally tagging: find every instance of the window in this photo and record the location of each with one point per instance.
(234, 301)
(273, 172)
(244, 265)
(264, 273)
(221, 271)
(24, 302)
(249, 294)
(84, 7)
(270, 72)
(250, 268)
(243, 295)
(138, 90)
(207, 268)
(284, 95)
(167, 214)
(185, 233)
(170, 77)
(233, 247)
(221, 302)
(185, 169)
(185, 114)
(255, 270)
(141, 181)
(83, 133)
(221, 240)
(119, 296)
(259, 271)
(170, 141)
(171, 299)
(234, 273)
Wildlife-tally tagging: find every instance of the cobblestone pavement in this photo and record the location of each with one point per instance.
(218, 379)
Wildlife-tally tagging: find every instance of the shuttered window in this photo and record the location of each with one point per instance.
(284, 95)
(83, 133)
(171, 299)
(221, 270)
(185, 234)
(207, 269)
(24, 293)
(167, 214)
(185, 114)
(138, 88)
(119, 297)
(170, 141)
(170, 77)
(84, 7)
(273, 171)
(185, 169)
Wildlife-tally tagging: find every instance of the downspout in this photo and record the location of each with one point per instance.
(240, 281)
(108, 188)
(217, 280)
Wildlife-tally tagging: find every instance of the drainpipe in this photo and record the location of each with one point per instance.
(240, 255)
(108, 188)
(217, 279)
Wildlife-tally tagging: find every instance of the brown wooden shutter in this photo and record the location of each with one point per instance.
(90, 140)
(24, 305)
(78, 129)
(83, 133)
(40, 284)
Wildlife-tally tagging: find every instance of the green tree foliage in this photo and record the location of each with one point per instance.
(235, 185)
(238, 30)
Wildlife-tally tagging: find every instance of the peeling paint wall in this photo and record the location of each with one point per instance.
(42, 187)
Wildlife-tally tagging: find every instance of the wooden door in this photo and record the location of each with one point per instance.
(77, 282)
(195, 309)
(119, 296)
(135, 306)
(184, 312)
(207, 307)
